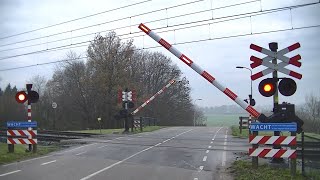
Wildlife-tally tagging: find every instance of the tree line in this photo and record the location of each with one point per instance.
(86, 90)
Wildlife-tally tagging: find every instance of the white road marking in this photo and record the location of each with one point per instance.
(211, 142)
(209, 147)
(207, 151)
(195, 179)
(9, 173)
(81, 153)
(27, 160)
(103, 146)
(77, 148)
(48, 162)
(212, 139)
(224, 153)
(139, 136)
(200, 168)
(204, 158)
(119, 162)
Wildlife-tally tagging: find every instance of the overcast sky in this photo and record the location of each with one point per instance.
(219, 56)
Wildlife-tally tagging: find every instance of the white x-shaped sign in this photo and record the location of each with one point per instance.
(275, 67)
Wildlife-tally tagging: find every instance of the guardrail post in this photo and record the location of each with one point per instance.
(302, 154)
(254, 146)
(293, 161)
(132, 122)
(11, 148)
(141, 124)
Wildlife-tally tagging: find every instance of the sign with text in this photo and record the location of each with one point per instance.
(273, 127)
(21, 124)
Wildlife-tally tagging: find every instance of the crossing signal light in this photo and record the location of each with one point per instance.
(267, 87)
(129, 96)
(21, 97)
(124, 96)
(287, 87)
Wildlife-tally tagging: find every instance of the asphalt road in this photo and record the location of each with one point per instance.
(186, 153)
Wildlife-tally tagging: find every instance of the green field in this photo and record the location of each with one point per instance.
(223, 119)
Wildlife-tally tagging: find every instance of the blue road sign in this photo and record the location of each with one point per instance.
(21, 124)
(273, 127)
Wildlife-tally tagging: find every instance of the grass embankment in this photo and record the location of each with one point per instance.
(21, 154)
(242, 170)
(119, 131)
(245, 134)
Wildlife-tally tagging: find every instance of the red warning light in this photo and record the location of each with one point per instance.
(21, 97)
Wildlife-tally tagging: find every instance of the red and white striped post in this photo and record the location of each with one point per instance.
(29, 120)
(29, 87)
(201, 71)
(154, 96)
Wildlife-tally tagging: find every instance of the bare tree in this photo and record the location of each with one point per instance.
(39, 84)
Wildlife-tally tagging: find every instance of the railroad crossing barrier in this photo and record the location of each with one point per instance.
(268, 152)
(21, 136)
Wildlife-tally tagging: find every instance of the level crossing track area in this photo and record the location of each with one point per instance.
(170, 153)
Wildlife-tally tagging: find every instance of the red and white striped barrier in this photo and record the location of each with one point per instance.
(31, 133)
(273, 153)
(154, 96)
(199, 70)
(21, 141)
(273, 140)
(275, 67)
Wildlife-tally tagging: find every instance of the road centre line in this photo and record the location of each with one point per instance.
(76, 148)
(9, 173)
(200, 168)
(204, 158)
(48, 162)
(224, 153)
(119, 162)
(207, 151)
(103, 146)
(209, 147)
(81, 153)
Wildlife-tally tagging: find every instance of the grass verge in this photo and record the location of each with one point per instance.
(119, 131)
(20, 154)
(242, 170)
